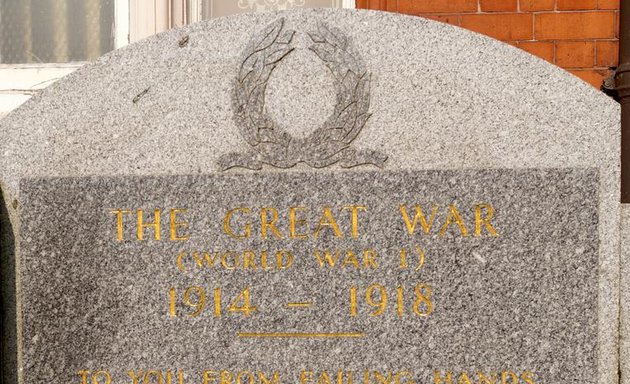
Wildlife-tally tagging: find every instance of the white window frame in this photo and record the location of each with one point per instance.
(134, 20)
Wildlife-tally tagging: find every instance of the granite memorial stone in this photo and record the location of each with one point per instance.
(312, 197)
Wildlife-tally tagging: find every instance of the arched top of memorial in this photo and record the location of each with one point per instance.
(421, 95)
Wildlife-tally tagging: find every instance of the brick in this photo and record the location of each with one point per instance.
(542, 49)
(617, 24)
(573, 5)
(392, 5)
(608, 4)
(607, 53)
(498, 5)
(575, 25)
(437, 6)
(592, 76)
(511, 26)
(575, 54)
(536, 5)
(448, 18)
(380, 5)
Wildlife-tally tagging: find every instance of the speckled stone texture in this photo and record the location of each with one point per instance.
(520, 301)
(440, 98)
(624, 350)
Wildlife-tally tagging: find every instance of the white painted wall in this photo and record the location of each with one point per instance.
(19, 83)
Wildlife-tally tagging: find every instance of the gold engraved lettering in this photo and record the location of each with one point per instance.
(403, 258)
(180, 377)
(156, 377)
(369, 258)
(483, 378)
(380, 302)
(513, 377)
(483, 215)
(195, 297)
(232, 260)
(349, 377)
(299, 335)
(381, 378)
(350, 260)
(328, 258)
(210, 377)
(197, 304)
(263, 259)
(180, 261)
(272, 224)
(174, 225)
(377, 297)
(241, 377)
(528, 377)
(227, 224)
(245, 308)
(464, 379)
(505, 377)
(411, 225)
(135, 376)
(423, 306)
(156, 374)
(141, 225)
(353, 301)
(447, 379)
(479, 220)
(245, 377)
(306, 377)
(324, 378)
(119, 223)
(226, 377)
(400, 301)
(294, 222)
(101, 377)
(354, 209)
(327, 220)
(284, 259)
(84, 376)
(249, 260)
(406, 375)
(347, 258)
(172, 308)
(217, 302)
(453, 215)
(265, 224)
(209, 258)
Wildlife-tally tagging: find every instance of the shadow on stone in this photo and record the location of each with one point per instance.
(8, 298)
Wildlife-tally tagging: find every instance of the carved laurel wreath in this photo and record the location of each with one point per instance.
(330, 143)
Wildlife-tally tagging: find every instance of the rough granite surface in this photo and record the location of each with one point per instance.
(624, 339)
(440, 98)
(523, 300)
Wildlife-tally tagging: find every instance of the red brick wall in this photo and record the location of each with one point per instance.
(577, 35)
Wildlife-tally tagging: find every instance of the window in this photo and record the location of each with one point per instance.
(43, 40)
(53, 31)
(216, 8)
(166, 14)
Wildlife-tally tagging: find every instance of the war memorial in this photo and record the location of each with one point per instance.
(317, 196)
